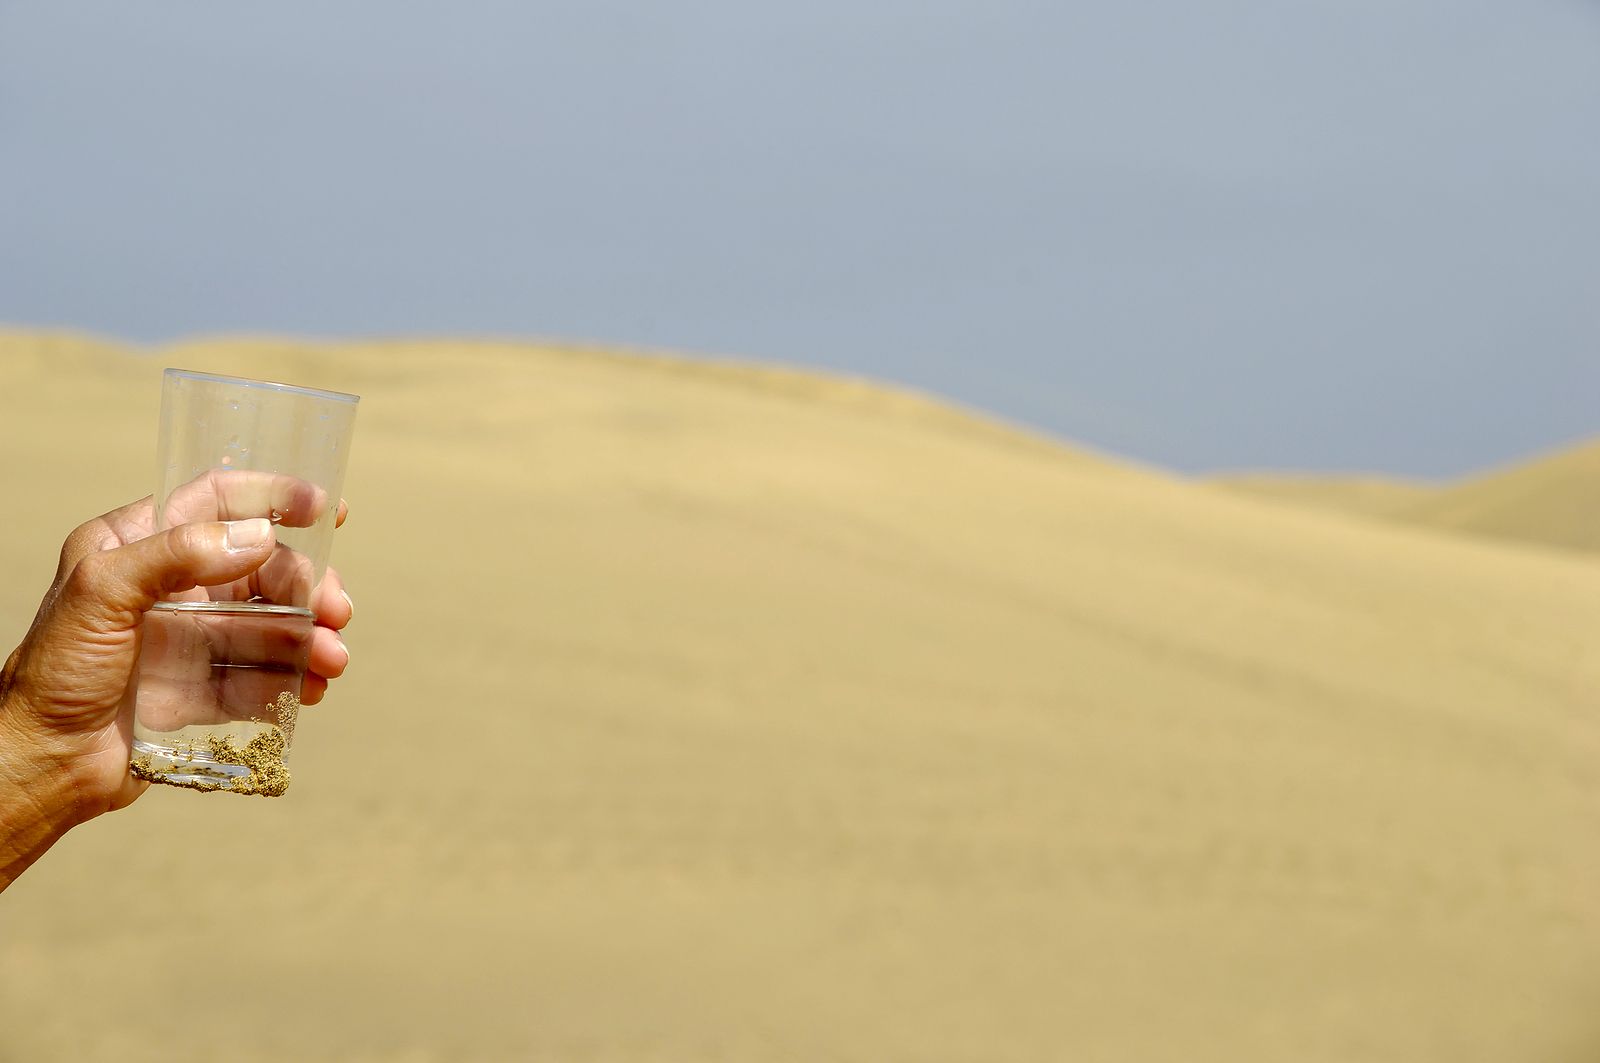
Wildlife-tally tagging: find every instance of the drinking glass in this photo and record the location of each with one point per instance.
(218, 687)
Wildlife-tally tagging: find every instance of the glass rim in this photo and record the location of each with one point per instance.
(239, 381)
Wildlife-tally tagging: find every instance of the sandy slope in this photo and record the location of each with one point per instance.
(1549, 501)
(713, 714)
(1373, 496)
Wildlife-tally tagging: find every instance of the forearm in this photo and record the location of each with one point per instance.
(38, 803)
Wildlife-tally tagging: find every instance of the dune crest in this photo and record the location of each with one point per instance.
(1375, 496)
(1551, 500)
(1548, 501)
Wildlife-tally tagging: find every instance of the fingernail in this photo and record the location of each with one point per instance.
(246, 534)
(346, 650)
(348, 602)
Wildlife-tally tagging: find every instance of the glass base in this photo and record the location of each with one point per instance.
(188, 766)
(218, 695)
(216, 759)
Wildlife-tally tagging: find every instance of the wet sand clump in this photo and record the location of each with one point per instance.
(263, 755)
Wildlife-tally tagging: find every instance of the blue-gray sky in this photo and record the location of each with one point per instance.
(1297, 233)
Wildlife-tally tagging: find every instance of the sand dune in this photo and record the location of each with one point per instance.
(727, 714)
(1373, 496)
(1549, 501)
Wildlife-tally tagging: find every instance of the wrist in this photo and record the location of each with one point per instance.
(39, 801)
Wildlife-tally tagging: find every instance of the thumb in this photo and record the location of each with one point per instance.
(108, 591)
(80, 651)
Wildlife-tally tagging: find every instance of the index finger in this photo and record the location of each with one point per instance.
(237, 494)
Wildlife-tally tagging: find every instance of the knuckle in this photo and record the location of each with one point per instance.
(187, 544)
(80, 543)
(89, 574)
(97, 591)
(184, 540)
(88, 587)
(178, 554)
(84, 534)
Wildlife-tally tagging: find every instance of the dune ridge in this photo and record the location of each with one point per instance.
(1374, 496)
(728, 714)
(1546, 501)
(1549, 500)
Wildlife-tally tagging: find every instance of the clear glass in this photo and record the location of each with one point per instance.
(221, 668)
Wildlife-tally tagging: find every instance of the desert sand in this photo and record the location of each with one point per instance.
(1548, 501)
(1374, 496)
(705, 712)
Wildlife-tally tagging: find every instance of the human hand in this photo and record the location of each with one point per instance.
(65, 702)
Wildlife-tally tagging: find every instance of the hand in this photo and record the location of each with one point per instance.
(66, 725)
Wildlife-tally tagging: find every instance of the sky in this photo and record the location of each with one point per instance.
(1318, 234)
